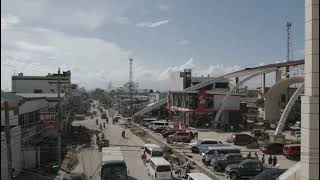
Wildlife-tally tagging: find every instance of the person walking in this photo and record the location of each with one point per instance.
(144, 158)
(249, 155)
(179, 169)
(256, 155)
(270, 160)
(263, 160)
(274, 161)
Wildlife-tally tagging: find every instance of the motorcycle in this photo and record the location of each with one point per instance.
(102, 136)
(100, 127)
(104, 125)
(96, 121)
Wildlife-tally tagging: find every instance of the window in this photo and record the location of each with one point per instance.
(37, 91)
(52, 90)
(157, 153)
(163, 168)
(223, 85)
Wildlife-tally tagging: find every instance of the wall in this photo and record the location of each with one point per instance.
(16, 152)
(233, 102)
(28, 86)
(13, 119)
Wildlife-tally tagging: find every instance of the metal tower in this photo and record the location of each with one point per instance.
(289, 46)
(130, 87)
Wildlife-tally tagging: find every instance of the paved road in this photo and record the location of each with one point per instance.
(92, 157)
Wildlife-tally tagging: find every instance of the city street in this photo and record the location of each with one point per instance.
(90, 158)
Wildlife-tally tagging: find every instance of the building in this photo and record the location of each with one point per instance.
(41, 84)
(156, 96)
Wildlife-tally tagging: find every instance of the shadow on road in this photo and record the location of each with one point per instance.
(132, 178)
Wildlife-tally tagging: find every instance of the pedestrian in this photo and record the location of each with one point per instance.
(144, 158)
(274, 161)
(196, 135)
(263, 160)
(256, 155)
(270, 160)
(249, 155)
(179, 169)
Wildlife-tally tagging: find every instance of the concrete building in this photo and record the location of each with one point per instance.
(308, 167)
(156, 96)
(41, 84)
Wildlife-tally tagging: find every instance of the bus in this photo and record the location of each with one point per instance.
(113, 165)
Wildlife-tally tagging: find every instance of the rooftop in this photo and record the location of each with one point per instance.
(159, 161)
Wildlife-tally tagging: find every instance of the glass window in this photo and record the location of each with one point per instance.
(223, 85)
(163, 168)
(157, 153)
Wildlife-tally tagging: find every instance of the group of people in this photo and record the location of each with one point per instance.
(186, 167)
(271, 160)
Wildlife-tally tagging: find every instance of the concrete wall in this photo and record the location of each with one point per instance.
(310, 100)
(28, 86)
(13, 119)
(16, 152)
(233, 102)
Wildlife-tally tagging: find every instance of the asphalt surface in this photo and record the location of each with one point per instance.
(90, 158)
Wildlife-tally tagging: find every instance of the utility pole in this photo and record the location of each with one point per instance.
(130, 87)
(8, 138)
(59, 122)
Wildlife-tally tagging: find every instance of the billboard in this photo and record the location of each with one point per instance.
(202, 101)
(48, 120)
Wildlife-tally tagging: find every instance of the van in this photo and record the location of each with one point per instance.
(291, 151)
(159, 168)
(197, 176)
(145, 122)
(160, 123)
(152, 150)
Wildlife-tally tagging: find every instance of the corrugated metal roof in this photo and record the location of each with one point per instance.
(10, 97)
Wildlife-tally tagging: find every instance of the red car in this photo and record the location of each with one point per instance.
(169, 131)
(159, 129)
(291, 151)
(272, 148)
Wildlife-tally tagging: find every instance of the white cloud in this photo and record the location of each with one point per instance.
(33, 47)
(153, 24)
(8, 20)
(122, 20)
(220, 69)
(184, 42)
(164, 8)
(171, 72)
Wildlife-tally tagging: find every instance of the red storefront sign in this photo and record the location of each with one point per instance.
(48, 120)
(202, 101)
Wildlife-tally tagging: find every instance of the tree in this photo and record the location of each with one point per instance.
(150, 91)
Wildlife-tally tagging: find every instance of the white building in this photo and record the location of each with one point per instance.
(156, 96)
(41, 84)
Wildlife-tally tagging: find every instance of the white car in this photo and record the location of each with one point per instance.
(203, 145)
(159, 168)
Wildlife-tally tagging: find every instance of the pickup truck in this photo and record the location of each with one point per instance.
(220, 163)
(248, 167)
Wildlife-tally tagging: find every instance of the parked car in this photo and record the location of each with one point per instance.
(242, 139)
(272, 148)
(217, 150)
(169, 131)
(159, 129)
(220, 163)
(248, 167)
(291, 151)
(202, 145)
(179, 136)
(269, 174)
(74, 176)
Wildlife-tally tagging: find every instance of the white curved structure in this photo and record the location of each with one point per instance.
(288, 108)
(225, 99)
(272, 98)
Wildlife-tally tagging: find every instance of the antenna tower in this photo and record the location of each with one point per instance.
(130, 87)
(289, 46)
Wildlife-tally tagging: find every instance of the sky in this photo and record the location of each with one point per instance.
(95, 39)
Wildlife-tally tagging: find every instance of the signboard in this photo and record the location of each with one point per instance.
(202, 101)
(48, 120)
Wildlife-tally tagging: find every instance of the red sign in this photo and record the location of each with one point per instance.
(48, 120)
(202, 101)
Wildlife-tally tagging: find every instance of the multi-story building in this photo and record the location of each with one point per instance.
(41, 84)
(156, 96)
